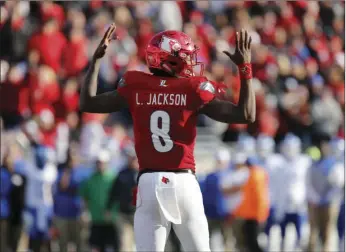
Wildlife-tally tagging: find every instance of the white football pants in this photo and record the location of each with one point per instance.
(165, 200)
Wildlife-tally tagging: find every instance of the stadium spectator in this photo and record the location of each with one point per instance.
(14, 96)
(68, 101)
(41, 43)
(43, 26)
(213, 199)
(41, 175)
(17, 25)
(17, 199)
(47, 130)
(94, 191)
(121, 193)
(326, 114)
(74, 54)
(92, 137)
(325, 180)
(67, 202)
(6, 169)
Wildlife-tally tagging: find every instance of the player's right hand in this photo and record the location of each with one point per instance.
(242, 54)
(102, 47)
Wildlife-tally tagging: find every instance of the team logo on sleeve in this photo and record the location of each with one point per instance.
(207, 86)
(165, 180)
(121, 83)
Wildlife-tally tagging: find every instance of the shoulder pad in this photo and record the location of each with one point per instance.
(207, 86)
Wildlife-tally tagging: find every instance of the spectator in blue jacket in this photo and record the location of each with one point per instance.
(213, 199)
(17, 202)
(5, 191)
(67, 202)
(41, 175)
(12, 184)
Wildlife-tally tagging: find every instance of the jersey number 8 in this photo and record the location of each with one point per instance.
(161, 140)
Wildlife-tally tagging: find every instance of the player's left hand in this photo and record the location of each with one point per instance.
(102, 47)
(242, 54)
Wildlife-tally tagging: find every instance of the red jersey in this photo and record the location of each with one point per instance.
(164, 112)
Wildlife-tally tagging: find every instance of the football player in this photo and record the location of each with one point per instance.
(273, 163)
(164, 106)
(291, 201)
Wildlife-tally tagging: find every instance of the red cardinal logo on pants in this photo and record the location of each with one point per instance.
(165, 180)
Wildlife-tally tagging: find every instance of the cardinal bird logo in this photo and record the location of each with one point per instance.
(245, 70)
(165, 180)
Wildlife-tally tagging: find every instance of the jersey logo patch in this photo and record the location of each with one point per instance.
(207, 86)
(163, 83)
(165, 180)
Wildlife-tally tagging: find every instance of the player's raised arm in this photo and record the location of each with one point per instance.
(104, 103)
(245, 111)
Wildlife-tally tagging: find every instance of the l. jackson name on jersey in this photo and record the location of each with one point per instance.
(164, 112)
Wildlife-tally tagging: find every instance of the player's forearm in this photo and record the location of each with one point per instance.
(89, 87)
(247, 100)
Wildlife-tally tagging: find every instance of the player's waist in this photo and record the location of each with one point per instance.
(180, 170)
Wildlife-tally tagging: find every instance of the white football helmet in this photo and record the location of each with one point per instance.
(291, 146)
(265, 145)
(247, 145)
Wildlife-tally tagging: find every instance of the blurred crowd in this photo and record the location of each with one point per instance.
(54, 156)
(256, 185)
(259, 185)
(298, 58)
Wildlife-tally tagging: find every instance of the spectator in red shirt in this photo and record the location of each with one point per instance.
(262, 60)
(68, 101)
(44, 89)
(269, 27)
(268, 122)
(145, 33)
(14, 97)
(50, 10)
(49, 37)
(74, 54)
(47, 129)
(287, 18)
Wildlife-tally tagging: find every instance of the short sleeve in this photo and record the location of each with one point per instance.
(206, 92)
(123, 86)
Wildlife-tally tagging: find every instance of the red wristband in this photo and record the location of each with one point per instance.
(245, 71)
